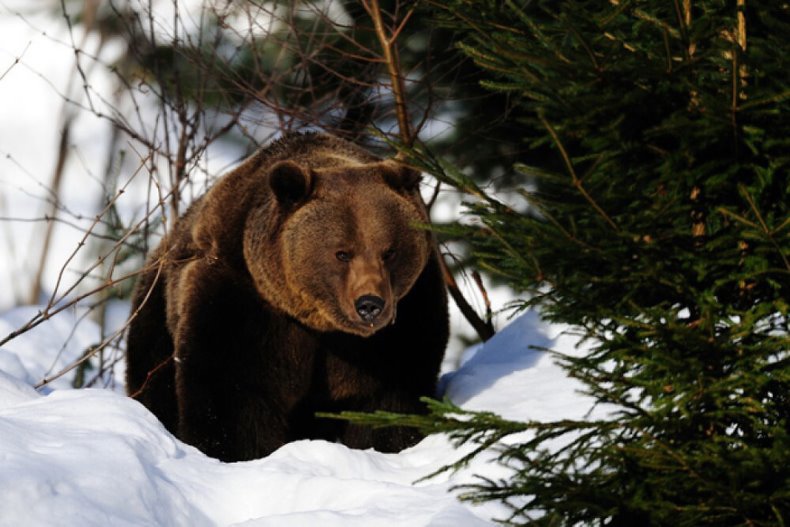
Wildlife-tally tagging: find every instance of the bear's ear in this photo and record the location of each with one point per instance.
(290, 182)
(400, 177)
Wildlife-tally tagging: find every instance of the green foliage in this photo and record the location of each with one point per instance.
(659, 145)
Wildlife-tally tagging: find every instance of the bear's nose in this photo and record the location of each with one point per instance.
(369, 307)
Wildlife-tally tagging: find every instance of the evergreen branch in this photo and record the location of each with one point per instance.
(514, 253)
(584, 44)
(781, 226)
(424, 159)
(763, 226)
(546, 213)
(771, 99)
(737, 217)
(484, 429)
(641, 14)
(569, 166)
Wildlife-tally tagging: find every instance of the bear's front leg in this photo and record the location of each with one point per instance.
(223, 406)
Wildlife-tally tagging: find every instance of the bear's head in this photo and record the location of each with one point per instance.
(337, 247)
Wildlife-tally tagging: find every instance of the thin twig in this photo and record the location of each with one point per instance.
(484, 330)
(57, 178)
(393, 68)
(16, 61)
(101, 345)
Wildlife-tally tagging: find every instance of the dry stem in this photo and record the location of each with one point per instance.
(483, 328)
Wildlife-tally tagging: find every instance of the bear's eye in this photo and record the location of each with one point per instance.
(343, 256)
(388, 255)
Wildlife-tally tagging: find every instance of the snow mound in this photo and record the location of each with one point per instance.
(46, 348)
(94, 457)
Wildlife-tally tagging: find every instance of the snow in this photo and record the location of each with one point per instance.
(94, 457)
(513, 377)
(57, 335)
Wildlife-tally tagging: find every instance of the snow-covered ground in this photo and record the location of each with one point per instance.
(94, 457)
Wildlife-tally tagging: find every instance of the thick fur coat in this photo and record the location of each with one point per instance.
(300, 283)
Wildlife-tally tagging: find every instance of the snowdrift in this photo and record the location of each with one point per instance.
(94, 457)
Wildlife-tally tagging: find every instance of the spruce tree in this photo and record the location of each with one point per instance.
(658, 138)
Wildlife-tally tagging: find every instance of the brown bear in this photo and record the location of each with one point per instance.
(301, 282)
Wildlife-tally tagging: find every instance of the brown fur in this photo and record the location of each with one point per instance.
(246, 322)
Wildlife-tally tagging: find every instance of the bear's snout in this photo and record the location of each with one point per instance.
(369, 307)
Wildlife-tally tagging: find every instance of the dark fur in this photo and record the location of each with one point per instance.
(226, 370)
